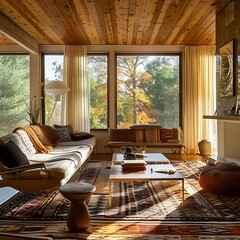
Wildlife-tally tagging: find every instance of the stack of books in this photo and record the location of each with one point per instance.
(133, 165)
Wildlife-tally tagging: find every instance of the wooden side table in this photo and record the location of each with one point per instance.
(78, 219)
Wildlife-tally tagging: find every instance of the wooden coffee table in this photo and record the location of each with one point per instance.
(117, 175)
(151, 158)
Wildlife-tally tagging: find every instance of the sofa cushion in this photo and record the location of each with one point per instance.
(68, 126)
(27, 142)
(89, 142)
(14, 137)
(12, 156)
(40, 148)
(81, 135)
(63, 134)
(169, 134)
(122, 135)
(59, 168)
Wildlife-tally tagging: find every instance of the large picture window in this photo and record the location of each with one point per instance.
(14, 91)
(148, 90)
(97, 73)
(97, 70)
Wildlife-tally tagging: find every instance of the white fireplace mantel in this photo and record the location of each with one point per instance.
(223, 118)
(228, 137)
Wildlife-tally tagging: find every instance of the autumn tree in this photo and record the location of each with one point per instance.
(97, 75)
(133, 104)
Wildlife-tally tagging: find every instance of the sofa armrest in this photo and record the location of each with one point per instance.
(5, 170)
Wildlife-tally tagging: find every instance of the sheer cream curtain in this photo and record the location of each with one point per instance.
(199, 96)
(75, 104)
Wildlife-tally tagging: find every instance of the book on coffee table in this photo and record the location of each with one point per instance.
(133, 168)
(169, 170)
(133, 163)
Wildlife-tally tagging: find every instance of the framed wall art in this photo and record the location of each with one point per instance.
(226, 85)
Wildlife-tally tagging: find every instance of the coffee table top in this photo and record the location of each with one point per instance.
(117, 174)
(151, 158)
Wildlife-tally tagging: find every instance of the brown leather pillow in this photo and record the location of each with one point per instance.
(81, 135)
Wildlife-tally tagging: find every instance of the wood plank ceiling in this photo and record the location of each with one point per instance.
(94, 22)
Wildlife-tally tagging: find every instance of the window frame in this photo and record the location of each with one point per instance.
(179, 54)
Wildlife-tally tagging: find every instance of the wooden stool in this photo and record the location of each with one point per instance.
(78, 219)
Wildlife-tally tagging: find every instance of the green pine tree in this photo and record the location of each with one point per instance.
(14, 91)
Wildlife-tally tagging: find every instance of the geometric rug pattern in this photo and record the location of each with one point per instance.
(126, 230)
(140, 200)
(203, 216)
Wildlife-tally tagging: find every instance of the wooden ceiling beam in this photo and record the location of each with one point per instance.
(16, 34)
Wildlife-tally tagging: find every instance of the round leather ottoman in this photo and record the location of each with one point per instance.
(78, 219)
(221, 179)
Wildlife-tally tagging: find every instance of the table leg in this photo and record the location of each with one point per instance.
(110, 193)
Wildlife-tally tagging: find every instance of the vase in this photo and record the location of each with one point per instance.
(204, 147)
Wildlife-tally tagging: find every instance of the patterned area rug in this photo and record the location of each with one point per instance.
(142, 200)
(126, 230)
(140, 210)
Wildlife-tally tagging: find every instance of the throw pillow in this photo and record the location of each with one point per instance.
(69, 127)
(81, 135)
(63, 134)
(12, 156)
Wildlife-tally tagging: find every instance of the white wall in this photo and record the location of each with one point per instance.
(229, 140)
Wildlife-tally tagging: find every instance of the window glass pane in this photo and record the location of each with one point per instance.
(53, 70)
(14, 91)
(98, 75)
(148, 90)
